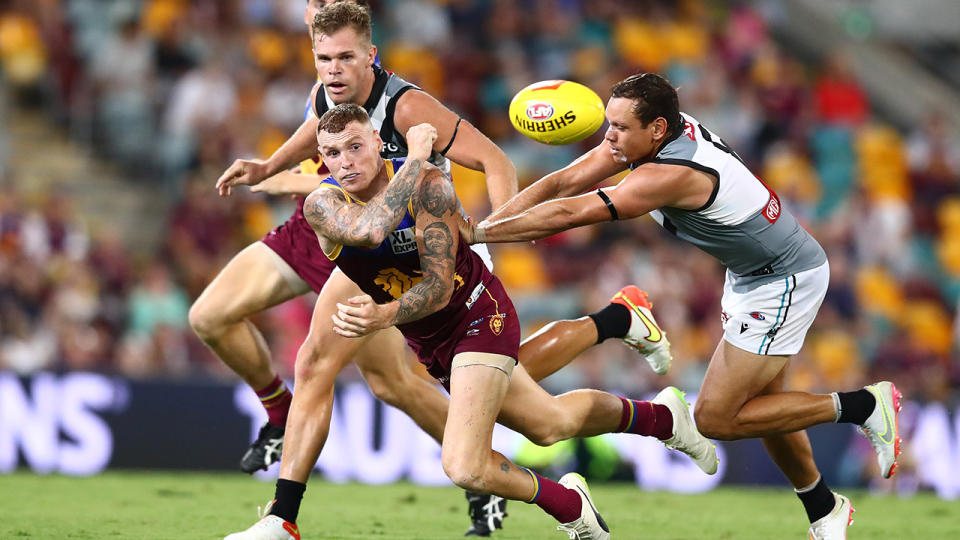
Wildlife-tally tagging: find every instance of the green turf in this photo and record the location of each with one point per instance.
(188, 505)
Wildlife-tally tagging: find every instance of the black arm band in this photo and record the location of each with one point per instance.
(452, 138)
(613, 209)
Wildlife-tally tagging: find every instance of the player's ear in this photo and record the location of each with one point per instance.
(371, 55)
(379, 141)
(660, 127)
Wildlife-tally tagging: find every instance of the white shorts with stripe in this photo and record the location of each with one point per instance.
(773, 319)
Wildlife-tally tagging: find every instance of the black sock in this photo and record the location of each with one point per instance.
(818, 501)
(855, 407)
(611, 321)
(288, 496)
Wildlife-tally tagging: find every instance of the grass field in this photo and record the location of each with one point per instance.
(188, 505)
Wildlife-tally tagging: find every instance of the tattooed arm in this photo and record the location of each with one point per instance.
(368, 225)
(436, 210)
(435, 205)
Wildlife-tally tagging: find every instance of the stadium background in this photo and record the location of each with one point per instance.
(119, 115)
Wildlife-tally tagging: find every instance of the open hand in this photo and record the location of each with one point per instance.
(243, 172)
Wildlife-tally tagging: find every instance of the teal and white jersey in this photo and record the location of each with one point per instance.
(743, 224)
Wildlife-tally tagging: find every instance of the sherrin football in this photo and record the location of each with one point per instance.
(556, 112)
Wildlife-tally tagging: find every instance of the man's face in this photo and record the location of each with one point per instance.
(353, 156)
(343, 62)
(628, 139)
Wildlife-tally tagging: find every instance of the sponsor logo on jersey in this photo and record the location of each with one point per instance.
(390, 147)
(539, 111)
(743, 327)
(772, 210)
(553, 124)
(477, 291)
(757, 315)
(473, 331)
(724, 317)
(688, 130)
(403, 241)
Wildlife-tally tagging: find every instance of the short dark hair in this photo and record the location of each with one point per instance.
(653, 97)
(340, 15)
(336, 119)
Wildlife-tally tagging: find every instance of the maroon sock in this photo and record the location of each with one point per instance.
(560, 502)
(276, 400)
(646, 418)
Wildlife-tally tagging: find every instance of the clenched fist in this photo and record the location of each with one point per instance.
(420, 139)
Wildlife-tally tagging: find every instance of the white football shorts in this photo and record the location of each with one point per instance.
(773, 319)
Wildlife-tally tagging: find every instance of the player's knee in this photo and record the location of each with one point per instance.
(711, 424)
(311, 363)
(385, 388)
(203, 320)
(463, 473)
(546, 433)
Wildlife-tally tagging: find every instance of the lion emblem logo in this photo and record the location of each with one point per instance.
(496, 324)
(395, 283)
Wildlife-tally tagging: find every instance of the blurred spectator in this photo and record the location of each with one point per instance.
(23, 53)
(122, 71)
(157, 301)
(200, 103)
(838, 96)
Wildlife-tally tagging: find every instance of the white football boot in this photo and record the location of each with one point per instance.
(833, 526)
(882, 427)
(644, 335)
(269, 527)
(686, 438)
(590, 525)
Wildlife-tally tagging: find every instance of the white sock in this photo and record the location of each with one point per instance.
(810, 487)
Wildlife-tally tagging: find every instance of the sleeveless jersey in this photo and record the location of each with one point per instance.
(392, 268)
(386, 91)
(743, 223)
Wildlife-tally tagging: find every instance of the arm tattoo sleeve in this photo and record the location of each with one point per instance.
(365, 225)
(437, 261)
(435, 203)
(436, 195)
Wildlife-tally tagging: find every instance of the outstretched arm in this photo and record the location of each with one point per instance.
(585, 172)
(300, 146)
(289, 183)
(436, 209)
(647, 188)
(327, 211)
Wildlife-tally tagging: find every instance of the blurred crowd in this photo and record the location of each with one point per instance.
(175, 90)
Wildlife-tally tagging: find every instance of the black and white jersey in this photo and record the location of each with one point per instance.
(743, 224)
(386, 91)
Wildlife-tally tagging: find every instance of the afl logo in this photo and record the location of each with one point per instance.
(539, 111)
